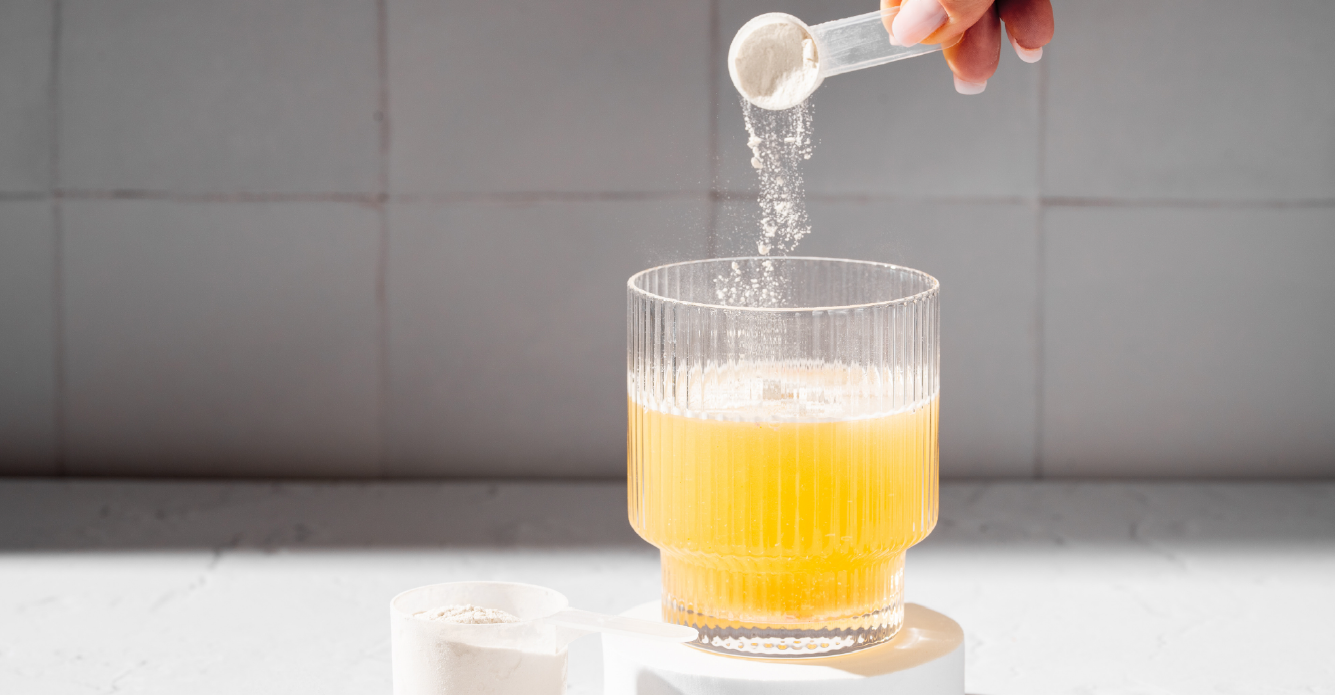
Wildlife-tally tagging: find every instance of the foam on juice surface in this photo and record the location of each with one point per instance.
(764, 393)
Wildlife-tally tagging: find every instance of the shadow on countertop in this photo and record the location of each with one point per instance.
(92, 514)
(41, 515)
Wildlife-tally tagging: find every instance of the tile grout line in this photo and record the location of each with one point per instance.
(369, 199)
(1186, 203)
(530, 197)
(901, 198)
(711, 215)
(58, 239)
(1040, 347)
(1041, 279)
(382, 248)
(524, 197)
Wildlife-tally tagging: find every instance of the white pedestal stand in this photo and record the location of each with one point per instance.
(925, 658)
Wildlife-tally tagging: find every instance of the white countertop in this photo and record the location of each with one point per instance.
(204, 588)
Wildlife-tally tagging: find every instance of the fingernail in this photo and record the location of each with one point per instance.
(917, 19)
(969, 87)
(1028, 55)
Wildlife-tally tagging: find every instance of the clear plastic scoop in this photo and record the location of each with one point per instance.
(854, 43)
(586, 621)
(434, 657)
(842, 45)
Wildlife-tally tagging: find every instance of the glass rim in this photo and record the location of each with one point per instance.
(934, 285)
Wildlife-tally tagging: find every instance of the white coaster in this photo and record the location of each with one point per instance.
(925, 658)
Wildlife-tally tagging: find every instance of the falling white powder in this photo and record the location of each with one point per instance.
(780, 143)
(773, 61)
(467, 614)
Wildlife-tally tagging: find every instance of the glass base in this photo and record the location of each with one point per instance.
(761, 614)
(790, 640)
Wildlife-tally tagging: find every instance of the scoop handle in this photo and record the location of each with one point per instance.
(618, 625)
(854, 43)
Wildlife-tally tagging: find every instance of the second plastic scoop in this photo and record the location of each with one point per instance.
(528, 657)
(546, 621)
(845, 45)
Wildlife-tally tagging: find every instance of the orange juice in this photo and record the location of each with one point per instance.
(787, 532)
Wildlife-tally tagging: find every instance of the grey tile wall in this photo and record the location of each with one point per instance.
(508, 332)
(1189, 343)
(534, 95)
(986, 257)
(221, 339)
(25, 91)
(27, 338)
(195, 96)
(1192, 99)
(389, 237)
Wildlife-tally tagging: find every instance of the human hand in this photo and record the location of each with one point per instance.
(971, 30)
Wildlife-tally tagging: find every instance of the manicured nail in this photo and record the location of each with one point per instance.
(1028, 55)
(917, 19)
(888, 15)
(969, 87)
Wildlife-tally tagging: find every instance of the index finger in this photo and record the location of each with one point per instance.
(933, 21)
(889, 19)
(1028, 22)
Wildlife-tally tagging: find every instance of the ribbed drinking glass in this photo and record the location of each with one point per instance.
(782, 445)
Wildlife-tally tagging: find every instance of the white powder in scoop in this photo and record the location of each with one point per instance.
(773, 62)
(467, 614)
(435, 654)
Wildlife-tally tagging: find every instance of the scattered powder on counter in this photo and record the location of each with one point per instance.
(774, 62)
(467, 614)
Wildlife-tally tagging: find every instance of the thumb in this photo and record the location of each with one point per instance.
(935, 21)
